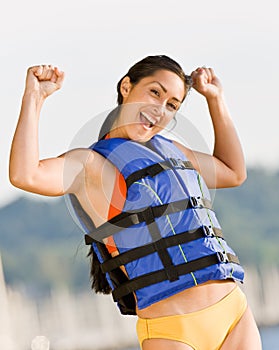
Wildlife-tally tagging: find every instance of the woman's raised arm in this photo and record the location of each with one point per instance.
(226, 166)
(53, 176)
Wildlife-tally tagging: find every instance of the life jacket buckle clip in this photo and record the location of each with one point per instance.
(177, 163)
(208, 231)
(222, 257)
(196, 202)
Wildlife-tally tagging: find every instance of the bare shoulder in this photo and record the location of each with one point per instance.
(81, 158)
(190, 154)
(80, 155)
(89, 159)
(79, 163)
(204, 163)
(87, 164)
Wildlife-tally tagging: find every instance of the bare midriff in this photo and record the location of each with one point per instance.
(189, 300)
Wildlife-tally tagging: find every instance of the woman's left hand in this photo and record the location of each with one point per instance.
(206, 82)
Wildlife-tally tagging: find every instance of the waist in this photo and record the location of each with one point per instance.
(189, 300)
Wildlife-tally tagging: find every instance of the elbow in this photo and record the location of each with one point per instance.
(19, 181)
(240, 178)
(14, 178)
(232, 178)
(16, 181)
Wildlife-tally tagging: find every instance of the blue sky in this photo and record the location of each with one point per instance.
(95, 42)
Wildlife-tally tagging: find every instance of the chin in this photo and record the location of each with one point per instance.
(140, 136)
(140, 139)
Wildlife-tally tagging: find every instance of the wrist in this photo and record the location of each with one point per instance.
(33, 100)
(219, 97)
(33, 96)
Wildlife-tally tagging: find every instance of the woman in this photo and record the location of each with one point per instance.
(144, 205)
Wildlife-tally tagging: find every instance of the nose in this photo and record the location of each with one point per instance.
(158, 109)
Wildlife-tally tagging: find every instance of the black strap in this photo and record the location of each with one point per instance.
(157, 168)
(127, 303)
(127, 219)
(160, 248)
(182, 269)
(166, 242)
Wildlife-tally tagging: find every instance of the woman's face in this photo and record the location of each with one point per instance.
(149, 105)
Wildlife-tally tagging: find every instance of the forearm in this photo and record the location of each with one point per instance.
(24, 157)
(227, 147)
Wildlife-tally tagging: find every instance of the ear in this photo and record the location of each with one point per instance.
(125, 87)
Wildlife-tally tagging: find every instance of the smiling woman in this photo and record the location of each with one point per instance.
(145, 73)
(144, 204)
(149, 105)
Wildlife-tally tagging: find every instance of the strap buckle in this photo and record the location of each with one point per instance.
(196, 202)
(208, 231)
(222, 257)
(177, 163)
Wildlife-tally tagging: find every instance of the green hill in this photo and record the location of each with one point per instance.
(42, 247)
(250, 217)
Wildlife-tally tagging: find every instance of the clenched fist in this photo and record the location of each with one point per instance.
(43, 80)
(206, 82)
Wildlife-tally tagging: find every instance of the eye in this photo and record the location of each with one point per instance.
(155, 92)
(172, 106)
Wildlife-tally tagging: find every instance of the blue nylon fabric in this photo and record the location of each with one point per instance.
(166, 187)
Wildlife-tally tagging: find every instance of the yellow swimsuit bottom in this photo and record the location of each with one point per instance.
(205, 329)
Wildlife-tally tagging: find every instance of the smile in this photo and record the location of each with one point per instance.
(148, 121)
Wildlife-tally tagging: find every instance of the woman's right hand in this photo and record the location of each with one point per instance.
(43, 80)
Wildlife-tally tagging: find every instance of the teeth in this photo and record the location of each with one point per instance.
(151, 120)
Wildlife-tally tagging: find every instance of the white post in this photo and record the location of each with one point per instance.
(40, 343)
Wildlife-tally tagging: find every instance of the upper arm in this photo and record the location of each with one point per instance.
(59, 175)
(215, 173)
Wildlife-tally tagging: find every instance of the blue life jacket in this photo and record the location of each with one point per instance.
(167, 235)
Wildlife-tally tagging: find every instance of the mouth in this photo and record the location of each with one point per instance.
(147, 120)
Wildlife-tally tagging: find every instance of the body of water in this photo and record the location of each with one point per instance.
(270, 338)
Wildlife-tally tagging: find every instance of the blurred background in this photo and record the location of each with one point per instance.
(44, 280)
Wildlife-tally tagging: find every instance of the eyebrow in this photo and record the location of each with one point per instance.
(164, 89)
